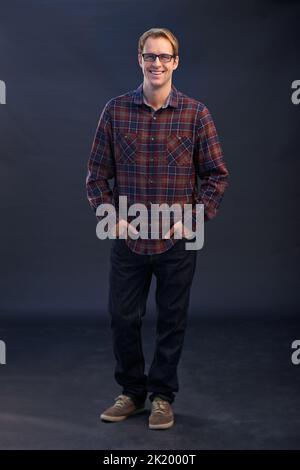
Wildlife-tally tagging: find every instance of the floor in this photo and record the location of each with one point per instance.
(238, 387)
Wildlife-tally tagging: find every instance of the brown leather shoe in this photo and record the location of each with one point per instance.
(122, 408)
(162, 416)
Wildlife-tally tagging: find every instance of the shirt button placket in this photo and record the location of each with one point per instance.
(151, 166)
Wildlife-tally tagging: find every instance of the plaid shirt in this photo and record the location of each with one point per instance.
(155, 157)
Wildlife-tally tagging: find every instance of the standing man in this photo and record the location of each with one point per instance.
(154, 141)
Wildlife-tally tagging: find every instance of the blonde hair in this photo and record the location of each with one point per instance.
(157, 33)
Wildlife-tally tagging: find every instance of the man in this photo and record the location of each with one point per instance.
(154, 141)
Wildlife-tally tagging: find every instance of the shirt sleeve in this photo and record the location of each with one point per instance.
(210, 167)
(101, 164)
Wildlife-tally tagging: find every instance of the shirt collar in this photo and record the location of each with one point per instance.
(172, 100)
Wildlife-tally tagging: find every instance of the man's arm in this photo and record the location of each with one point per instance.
(210, 167)
(101, 164)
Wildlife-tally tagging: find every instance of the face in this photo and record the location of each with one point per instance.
(157, 74)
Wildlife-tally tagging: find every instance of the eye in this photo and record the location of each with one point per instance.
(149, 57)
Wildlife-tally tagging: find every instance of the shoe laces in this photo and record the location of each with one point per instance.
(160, 406)
(121, 400)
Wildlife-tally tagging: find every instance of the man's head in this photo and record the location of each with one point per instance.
(158, 41)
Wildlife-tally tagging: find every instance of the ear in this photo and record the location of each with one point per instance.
(176, 62)
(140, 59)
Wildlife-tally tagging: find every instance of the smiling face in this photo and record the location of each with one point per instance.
(158, 74)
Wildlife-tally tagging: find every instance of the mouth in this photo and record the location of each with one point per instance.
(156, 73)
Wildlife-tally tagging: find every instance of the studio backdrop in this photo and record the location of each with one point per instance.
(61, 61)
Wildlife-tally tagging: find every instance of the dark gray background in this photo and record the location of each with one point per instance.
(62, 61)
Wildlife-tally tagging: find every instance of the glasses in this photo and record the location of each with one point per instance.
(162, 57)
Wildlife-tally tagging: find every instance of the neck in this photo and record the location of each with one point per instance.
(156, 96)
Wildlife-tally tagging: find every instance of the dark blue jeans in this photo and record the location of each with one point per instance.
(129, 282)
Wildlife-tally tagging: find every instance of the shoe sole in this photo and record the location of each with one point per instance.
(161, 426)
(115, 419)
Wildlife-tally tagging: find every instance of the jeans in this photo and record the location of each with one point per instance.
(129, 282)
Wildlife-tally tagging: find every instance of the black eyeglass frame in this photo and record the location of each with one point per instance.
(172, 56)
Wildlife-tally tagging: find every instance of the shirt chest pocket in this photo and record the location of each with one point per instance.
(126, 147)
(179, 149)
